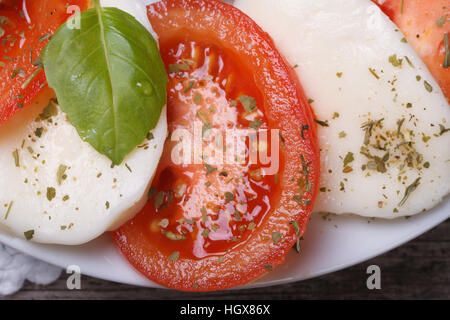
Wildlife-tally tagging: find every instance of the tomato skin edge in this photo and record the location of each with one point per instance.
(293, 110)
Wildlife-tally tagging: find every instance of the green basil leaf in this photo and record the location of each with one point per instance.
(109, 78)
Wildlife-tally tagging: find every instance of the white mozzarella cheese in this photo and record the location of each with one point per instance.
(56, 188)
(347, 56)
(59, 188)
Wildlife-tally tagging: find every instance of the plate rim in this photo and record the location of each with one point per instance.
(18, 245)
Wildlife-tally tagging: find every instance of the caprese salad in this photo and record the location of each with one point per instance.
(203, 134)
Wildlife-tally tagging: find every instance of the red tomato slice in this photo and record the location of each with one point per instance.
(27, 25)
(424, 24)
(209, 227)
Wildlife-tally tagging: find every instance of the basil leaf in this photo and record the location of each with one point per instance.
(109, 78)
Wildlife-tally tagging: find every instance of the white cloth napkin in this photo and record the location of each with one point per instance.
(16, 267)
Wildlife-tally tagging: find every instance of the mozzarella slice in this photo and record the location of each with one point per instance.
(59, 188)
(136, 8)
(348, 60)
(56, 188)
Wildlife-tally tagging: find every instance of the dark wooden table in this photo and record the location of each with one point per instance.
(419, 269)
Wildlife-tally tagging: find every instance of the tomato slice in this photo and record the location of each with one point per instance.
(26, 26)
(214, 226)
(424, 24)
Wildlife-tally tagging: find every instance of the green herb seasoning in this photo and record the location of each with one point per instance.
(440, 22)
(9, 209)
(173, 236)
(256, 124)
(51, 193)
(203, 117)
(206, 130)
(159, 199)
(409, 190)
(442, 129)
(348, 158)
(49, 111)
(395, 61)
(399, 125)
(197, 98)
(321, 123)
(16, 72)
(179, 67)
(372, 71)
(276, 236)
(305, 127)
(38, 132)
(209, 169)
(268, 267)
(347, 169)
(409, 62)
(151, 192)
(29, 234)
(164, 223)
(174, 256)
(31, 78)
(190, 86)
(367, 127)
(204, 214)
(15, 155)
(298, 199)
(229, 196)
(248, 103)
(38, 62)
(428, 86)
(205, 233)
(306, 171)
(61, 174)
(297, 233)
(44, 37)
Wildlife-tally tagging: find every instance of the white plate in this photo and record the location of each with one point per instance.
(329, 245)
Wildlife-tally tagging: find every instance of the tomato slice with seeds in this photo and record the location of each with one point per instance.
(210, 224)
(424, 24)
(25, 27)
